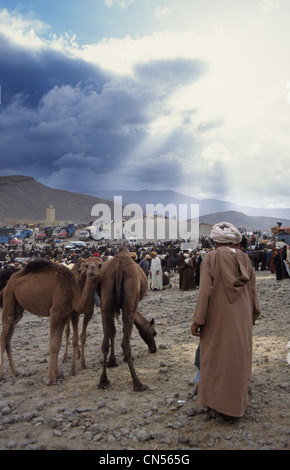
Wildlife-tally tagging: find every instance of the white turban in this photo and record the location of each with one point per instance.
(224, 232)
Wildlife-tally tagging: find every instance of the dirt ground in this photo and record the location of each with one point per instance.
(75, 414)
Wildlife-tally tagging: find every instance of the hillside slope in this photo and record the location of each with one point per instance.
(21, 197)
(250, 223)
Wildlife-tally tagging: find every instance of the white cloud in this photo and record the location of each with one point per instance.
(28, 32)
(161, 11)
(122, 55)
(121, 3)
(217, 153)
(23, 31)
(266, 6)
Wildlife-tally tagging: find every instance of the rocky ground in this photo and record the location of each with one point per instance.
(75, 414)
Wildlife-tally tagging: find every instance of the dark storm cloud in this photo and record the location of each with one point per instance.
(33, 74)
(63, 118)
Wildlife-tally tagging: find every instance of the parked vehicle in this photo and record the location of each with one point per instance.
(77, 244)
(67, 231)
(40, 236)
(282, 234)
(10, 240)
(8, 236)
(132, 241)
(24, 233)
(84, 235)
(44, 234)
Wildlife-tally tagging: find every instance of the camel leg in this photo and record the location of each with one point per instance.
(107, 320)
(112, 362)
(128, 320)
(75, 323)
(57, 325)
(83, 337)
(18, 315)
(67, 334)
(9, 322)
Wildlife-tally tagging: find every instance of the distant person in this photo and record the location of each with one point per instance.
(272, 266)
(145, 265)
(166, 279)
(226, 310)
(288, 255)
(199, 259)
(280, 268)
(187, 273)
(156, 272)
(285, 254)
(243, 244)
(180, 262)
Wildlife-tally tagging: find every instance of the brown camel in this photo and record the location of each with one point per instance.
(122, 285)
(46, 289)
(81, 270)
(145, 327)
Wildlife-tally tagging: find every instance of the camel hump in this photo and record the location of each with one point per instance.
(65, 274)
(36, 266)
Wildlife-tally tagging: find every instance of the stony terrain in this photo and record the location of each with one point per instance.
(75, 414)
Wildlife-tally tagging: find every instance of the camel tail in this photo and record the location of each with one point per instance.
(1, 298)
(119, 291)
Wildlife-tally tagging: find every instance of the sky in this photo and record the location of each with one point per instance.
(188, 95)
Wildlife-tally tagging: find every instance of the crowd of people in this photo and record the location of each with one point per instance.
(159, 261)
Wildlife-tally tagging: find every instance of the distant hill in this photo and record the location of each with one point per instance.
(22, 197)
(206, 206)
(240, 220)
(165, 197)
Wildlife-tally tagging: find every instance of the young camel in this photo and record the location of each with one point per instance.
(122, 285)
(81, 270)
(45, 289)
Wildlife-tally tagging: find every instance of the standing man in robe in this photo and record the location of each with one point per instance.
(156, 272)
(226, 310)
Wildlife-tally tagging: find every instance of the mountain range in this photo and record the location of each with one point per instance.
(206, 206)
(22, 197)
(211, 211)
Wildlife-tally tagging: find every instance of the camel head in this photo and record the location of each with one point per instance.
(147, 332)
(91, 268)
(151, 338)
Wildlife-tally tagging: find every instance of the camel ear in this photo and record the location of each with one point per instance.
(152, 321)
